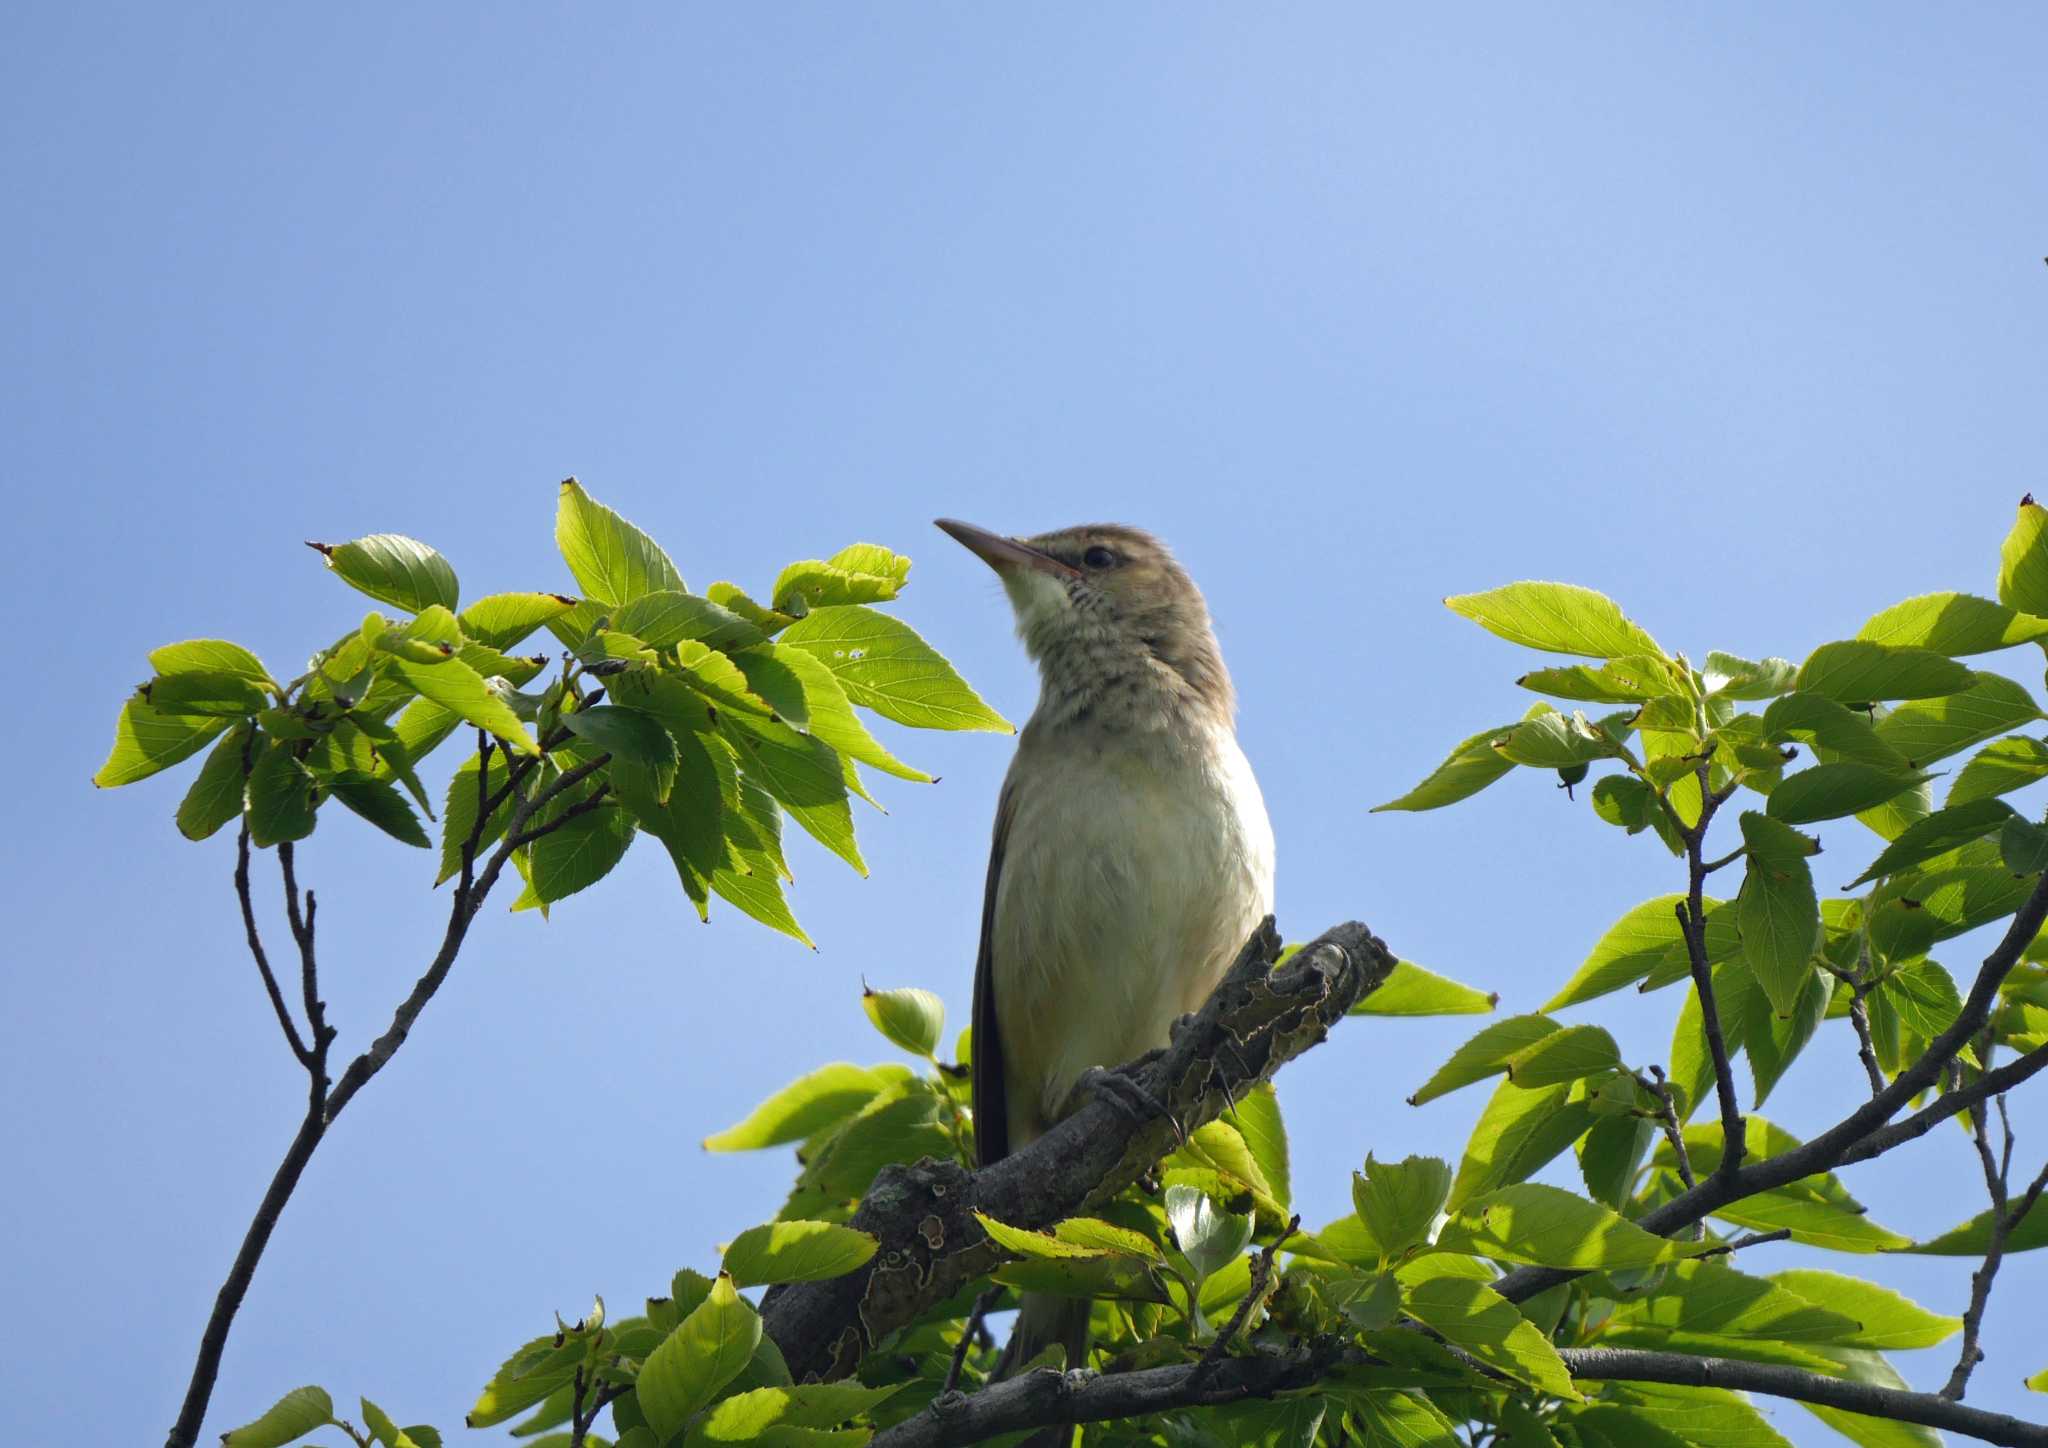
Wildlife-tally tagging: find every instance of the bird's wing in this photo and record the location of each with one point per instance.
(991, 1108)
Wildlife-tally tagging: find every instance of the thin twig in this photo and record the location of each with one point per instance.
(1667, 1122)
(988, 1298)
(1262, 1279)
(1692, 920)
(1995, 1169)
(284, 1015)
(1754, 1239)
(302, 932)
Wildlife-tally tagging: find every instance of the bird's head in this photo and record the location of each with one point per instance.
(1095, 602)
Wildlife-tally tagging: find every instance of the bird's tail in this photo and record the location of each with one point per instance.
(1043, 1321)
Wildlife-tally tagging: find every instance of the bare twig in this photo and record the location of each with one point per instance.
(1262, 1279)
(1692, 921)
(1667, 1122)
(1996, 1173)
(325, 1103)
(284, 1015)
(968, 1330)
(1754, 1239)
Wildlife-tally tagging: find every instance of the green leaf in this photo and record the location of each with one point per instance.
(883, 665)
(1698, 1417)
(1256, 1115)
(2000, 767)
(1409, 990)
(612, 561)
(2023, 845)
(667, 617)
(1729, 677)
(147, 740)
(1479, 1320)
(635, 741)
(807, 1106)
(704, 1353)
(1832, 791)
(282, 797)
(1549, 1227)
(228, 695)
(1628, 680)
(1953, 624)
(2023, 560)
(1973, 1238)
(1104, 1236)
(1208, 1237)
(1706, 1297)
(393, 569)
(804, 776)
(796, 1252)
(1611, 1154)
(1835, 731)
(527, 1377)
(1125, 1279)
(1567, 1055)
(216, 793)
(813, 582)
(1856, 671)
(580, 852)
(1645, 941)
(1486, 1054)
(1777, 911)
(751, 1416)
(502, 620)
(1884, 1320)
(1932, 729)
(833, 721)
(461, 690)
(1558, 618)
(2038, 1382)
(1398, 1201)
(911, 1018)
(380, 804)
(1516, 1135)
(1967, 887)
(210, 656)
(731, 596)
(1773, 1041)
(1557, 741)
(292, 1416)
(1472, 766)
(1039, 1246)
(1936, 835)
(458, 813)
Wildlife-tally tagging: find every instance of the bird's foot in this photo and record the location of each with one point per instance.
(1126, 1095)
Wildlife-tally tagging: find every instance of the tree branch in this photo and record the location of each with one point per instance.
(284, 1015)
(1692, 920)
(1928, 1409)
(1045, 1398)
(923, 1215)
(1861, 1134)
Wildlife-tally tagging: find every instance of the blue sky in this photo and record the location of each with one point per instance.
(1735, 314)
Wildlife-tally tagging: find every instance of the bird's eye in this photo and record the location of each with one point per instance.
(1099, 557)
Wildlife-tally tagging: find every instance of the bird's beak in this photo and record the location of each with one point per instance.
(1005, 555)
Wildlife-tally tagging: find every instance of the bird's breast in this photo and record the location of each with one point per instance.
(1132, 873)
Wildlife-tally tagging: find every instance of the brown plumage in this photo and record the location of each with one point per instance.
(1131, 854)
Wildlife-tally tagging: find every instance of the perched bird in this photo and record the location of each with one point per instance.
(1132, 854)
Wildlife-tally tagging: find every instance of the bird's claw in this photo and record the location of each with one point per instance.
(1127, 1096)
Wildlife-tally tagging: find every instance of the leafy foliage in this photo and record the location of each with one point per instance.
(679, 717)
(706, 720)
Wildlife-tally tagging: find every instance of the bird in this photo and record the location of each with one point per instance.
(1132, 854)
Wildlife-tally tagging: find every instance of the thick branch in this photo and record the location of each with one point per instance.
(1258, 1019)
(1845, 1140)
(1896, 1404)
(1044, 1398)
